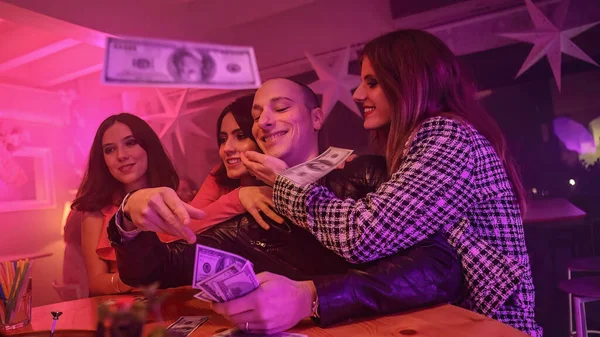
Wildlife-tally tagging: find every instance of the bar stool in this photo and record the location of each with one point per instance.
(583, 289)
(584, 264)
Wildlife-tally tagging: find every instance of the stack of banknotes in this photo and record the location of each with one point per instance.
(222, 276)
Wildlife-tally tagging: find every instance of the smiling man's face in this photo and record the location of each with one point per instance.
(283, 125)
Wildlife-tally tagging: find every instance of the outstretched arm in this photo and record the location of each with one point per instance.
(428, 191)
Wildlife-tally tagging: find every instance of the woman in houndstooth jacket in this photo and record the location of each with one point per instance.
(449, 171)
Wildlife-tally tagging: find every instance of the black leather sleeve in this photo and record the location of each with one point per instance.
(359, 177)
(424, 275)
(145, 259)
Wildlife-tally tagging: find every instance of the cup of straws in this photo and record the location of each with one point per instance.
(15, 294)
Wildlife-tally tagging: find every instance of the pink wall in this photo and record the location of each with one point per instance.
(39, 231)
(36, 231)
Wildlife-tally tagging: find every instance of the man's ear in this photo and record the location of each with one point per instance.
(318, 118)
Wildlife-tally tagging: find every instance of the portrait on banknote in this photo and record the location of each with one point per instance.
(320, 165)
(191, 65)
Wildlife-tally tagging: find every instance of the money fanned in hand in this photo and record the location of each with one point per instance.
(165, 63)
(210, 261)
(222, 276)
(313, 170)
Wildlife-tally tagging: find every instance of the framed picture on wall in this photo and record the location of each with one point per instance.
(26, 179)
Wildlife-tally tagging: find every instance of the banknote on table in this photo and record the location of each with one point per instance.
(222, 276)
(185, 325)
(165, 63)
(235, 332)
(313, 170)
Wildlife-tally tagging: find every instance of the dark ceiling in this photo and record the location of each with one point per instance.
(402, 8)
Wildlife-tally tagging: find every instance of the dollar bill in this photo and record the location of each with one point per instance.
(165, 63)
(210, 290)
(210, 261)
(313, 170)
(185, 325)
(222, 276)
(229, 287)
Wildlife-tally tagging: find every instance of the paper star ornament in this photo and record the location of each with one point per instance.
(334, 83)
(175, 120)
(550, 40)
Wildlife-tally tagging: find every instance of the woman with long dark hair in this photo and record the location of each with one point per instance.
(449, 171)
(126, 155)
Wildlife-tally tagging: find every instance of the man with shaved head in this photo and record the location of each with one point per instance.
(298, 277)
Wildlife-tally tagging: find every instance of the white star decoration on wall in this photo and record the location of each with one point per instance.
(334, 83)
(549, 39)
(174, 120)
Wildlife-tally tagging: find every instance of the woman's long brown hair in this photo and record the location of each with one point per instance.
(99, 188)
(421, 78)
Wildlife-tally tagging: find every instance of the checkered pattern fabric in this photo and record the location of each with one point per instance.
(451, 180)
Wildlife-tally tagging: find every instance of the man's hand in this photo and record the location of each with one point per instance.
(263, 167)
(259, 198)
(276, 305)
(160, 210)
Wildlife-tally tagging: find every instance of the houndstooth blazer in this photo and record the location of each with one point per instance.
(451, 180)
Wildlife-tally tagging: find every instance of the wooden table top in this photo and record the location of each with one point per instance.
(443, 320)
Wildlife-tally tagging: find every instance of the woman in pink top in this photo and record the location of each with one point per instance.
(229, 189)
(126, 155)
